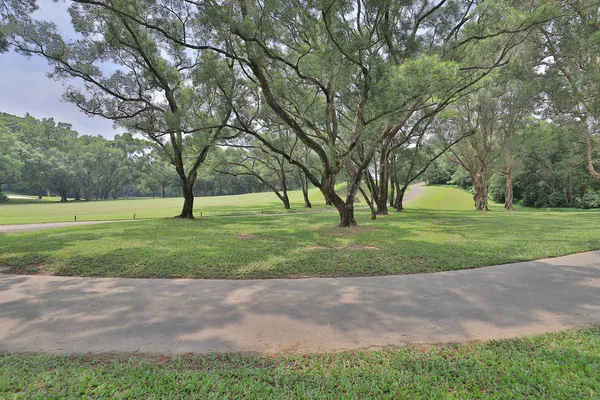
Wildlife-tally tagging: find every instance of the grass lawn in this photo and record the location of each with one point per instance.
(439, 231)
(27, 209)
(553, 366)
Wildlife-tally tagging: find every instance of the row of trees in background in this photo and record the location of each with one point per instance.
(371, 92)
(45, 157)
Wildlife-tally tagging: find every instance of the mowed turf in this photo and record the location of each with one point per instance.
(439, 231)
(26, 210)
(553, 366)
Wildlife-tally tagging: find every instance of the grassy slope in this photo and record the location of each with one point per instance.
(554, 366)
(438, 232)
(23, 211)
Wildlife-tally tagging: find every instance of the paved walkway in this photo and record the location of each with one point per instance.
(50, 225)
(79, 315)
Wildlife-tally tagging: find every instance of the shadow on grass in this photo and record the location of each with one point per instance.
(300, 245)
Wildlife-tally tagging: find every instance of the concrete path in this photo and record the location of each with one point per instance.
(79, 315)
(50, 225)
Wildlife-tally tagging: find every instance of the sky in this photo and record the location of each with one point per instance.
(25, 88)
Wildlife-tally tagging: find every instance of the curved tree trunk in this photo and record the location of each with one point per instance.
(369, 203)
(304, 185)
(286, 200)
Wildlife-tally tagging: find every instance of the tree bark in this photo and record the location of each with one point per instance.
(304, 185)
(283, 179)
(589, 150)
(344, 208)
(399, 204)
(187, 187)
(392, 192)
(508, 194)
(347, 216)
(570, 186)
(286, 200)
(480, 189)
(369, 203)
(508, 191)
(384, 172)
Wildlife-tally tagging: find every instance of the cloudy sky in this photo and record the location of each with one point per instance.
(25, 88)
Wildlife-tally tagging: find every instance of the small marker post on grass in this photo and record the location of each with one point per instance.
(200, 213)
(133, 216)
(76, 218)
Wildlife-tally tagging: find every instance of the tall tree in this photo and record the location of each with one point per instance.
(347, 76)
(135, 77)
(570, 46)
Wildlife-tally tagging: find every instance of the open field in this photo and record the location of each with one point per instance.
(24, 211)
(438, 232)
(559, 366)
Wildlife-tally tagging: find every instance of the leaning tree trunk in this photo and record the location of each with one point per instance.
(286, 200)
(369, 203)
(480, 190)
(304, 184)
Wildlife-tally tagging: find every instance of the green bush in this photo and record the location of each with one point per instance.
(588, 200)
(556, 200)
(462, 178)
(497, 188)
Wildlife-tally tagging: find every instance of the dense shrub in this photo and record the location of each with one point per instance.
(439, 173)
(588, 200)
(497, 188)
(462, 178)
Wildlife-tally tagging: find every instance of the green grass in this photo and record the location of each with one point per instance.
(24, 211)
(553, 366)
(438, 232)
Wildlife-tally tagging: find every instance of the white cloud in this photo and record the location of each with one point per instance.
(34, 93)
(27, 89)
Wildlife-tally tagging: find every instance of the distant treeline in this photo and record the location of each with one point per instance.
(547, 165)
(43, 157)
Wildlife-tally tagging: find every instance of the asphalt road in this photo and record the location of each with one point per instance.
(48, 314)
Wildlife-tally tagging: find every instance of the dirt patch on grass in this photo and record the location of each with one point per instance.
(345, 232)
(359, 247)
(348, 247)
(247, 236)
(41, 270)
